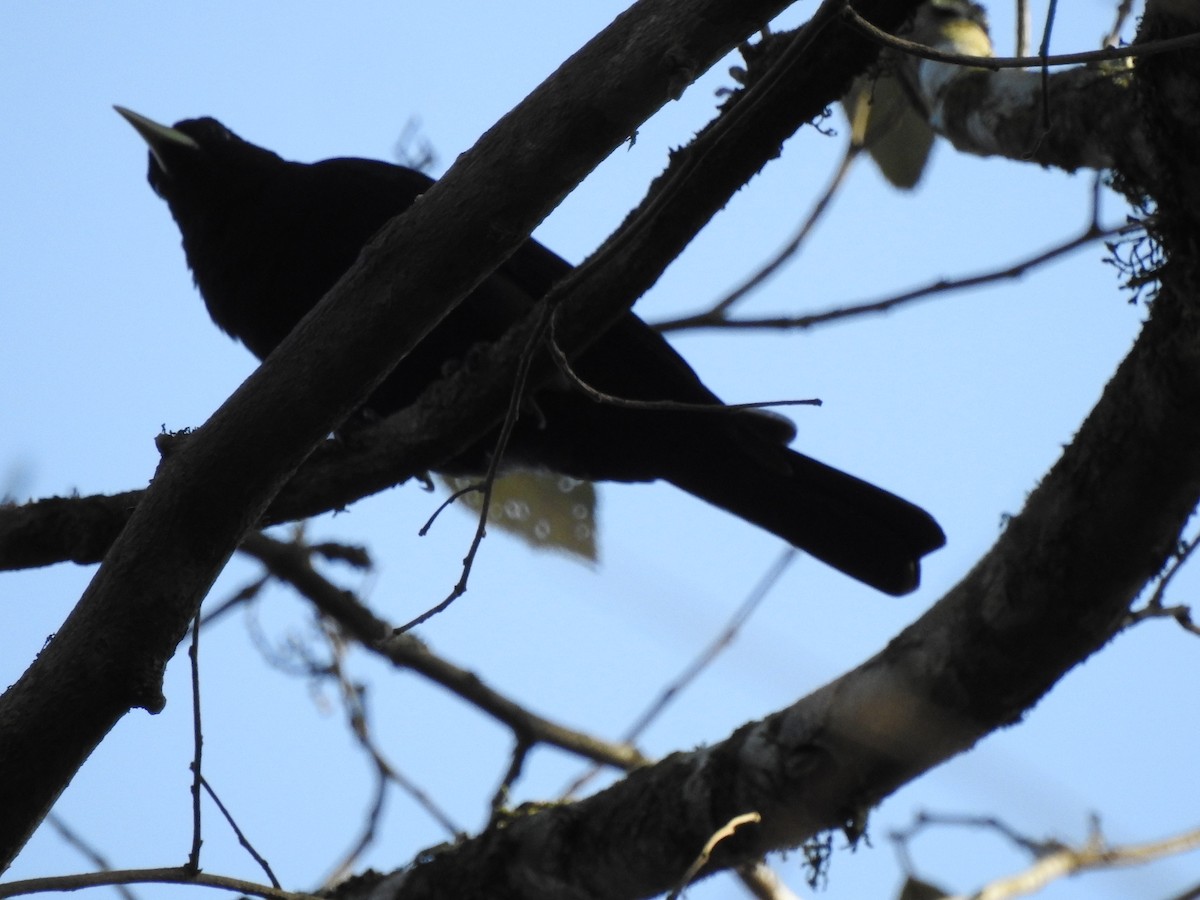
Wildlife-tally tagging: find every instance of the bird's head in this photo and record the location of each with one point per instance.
(190, 154)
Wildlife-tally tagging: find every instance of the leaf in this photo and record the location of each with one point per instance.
(546, 510)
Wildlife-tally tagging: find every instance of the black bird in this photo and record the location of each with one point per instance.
(266, 238)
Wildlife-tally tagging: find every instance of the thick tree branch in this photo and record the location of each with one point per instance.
(109, 655)
(1085, 117)
(1053, 589)
(788, 89)
(290, 563)
(1093, 118)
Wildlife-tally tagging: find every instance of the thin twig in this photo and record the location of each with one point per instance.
(515, 765)
(1149, 48)
(240, 598)
(241, 837)
(354, 701)
(445, 504)
(516, 398)
(291, 564)
(600, 396)
(171, 875)
(1054, 859)
(1095, 855)
(1016, 270)
(1156, 607)
(676, 183)
(701, 860)
(792, 247)
(1180, 613)
(98, 859)
(193, 862)
(702, 661)
(1044, 58)
(367, 837)
(923, 820)
(678, 180)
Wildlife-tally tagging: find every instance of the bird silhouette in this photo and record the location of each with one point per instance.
(266, 238)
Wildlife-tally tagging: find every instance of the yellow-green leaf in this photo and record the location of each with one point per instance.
(546, 510)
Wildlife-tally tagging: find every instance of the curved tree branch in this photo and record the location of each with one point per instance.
(1055, 588)
(109, 655)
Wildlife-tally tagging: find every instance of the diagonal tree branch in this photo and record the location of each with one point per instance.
(1051, 591)
(1054, 589)
(290, 563)
(109, 655)
(454, 413)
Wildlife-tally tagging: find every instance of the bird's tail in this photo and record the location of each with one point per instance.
(860, 529)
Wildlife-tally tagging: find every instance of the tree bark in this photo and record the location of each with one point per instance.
(109, 655)
(1053, 589)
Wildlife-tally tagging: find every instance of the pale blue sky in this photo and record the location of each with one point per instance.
(960, 404)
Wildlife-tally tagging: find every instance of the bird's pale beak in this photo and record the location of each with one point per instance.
(157, 137)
